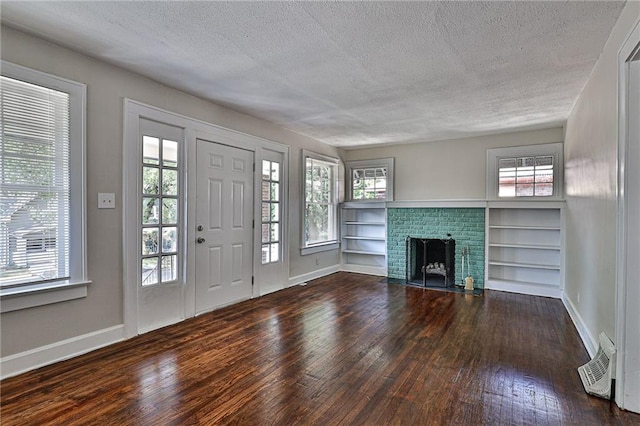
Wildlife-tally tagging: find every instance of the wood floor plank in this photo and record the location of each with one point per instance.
(345, 349)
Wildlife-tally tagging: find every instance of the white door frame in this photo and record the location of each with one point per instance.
(194, 129)
(623, 314)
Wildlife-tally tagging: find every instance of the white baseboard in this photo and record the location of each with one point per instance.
(22, 362)
(299, 279)
(589, 342)
(364, 269)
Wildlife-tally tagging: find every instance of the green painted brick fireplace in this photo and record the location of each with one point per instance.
(466, 226)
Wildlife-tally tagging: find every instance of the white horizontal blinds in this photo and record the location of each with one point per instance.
(525, 176)
(35, 193)
(369, 183)
(319, 201)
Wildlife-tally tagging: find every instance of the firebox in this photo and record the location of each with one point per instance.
(430, 262)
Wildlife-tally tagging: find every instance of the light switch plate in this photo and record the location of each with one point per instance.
(106, 200)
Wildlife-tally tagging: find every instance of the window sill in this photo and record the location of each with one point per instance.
(320, 247)
(17, 298)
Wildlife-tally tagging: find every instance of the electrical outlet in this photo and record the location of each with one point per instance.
(106, 200)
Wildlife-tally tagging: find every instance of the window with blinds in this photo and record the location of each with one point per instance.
(35, 192)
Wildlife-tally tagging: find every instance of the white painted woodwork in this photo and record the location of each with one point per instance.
(524, 249)
(224, 209)
(164, 303)
(364, 237)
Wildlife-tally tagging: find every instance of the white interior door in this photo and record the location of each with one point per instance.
(160, 283)
(224, 225)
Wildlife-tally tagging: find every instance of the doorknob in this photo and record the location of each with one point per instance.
(200, 240)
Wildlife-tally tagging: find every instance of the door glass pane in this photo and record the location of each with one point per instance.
(169, 153)
(266, 191)
(275, 233)
(149, 271)
(169, 268)
(150, 180)
(265, 212)
(275, 171)
(266, 169)
(275, 212)
(265, 232)
(169, 239)
(265, 253)
(169, 210)
(150, 150)
(150, 210)
(275, 191)
(275, 252)
(149, 241)
(169, 182)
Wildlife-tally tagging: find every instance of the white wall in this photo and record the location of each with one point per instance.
(590, 188)
(106, 87)
(451, 169)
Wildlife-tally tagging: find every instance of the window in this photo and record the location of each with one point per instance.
(160, 208)
(525, 172)
(320, 202)
(42, 180)
(270, 211)
(370, 180)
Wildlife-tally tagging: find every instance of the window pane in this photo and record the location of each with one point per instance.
(369, 173)
(266, 169)
(525, 190)
(275, 252)
(265, 253)
(169, 210)
(275, 191)
(265, 233)
(265, 212)
(149, 271)
(150, 179)
(169, 153)
(544, 189)
(169, 182)
(317, 223)
(169, 268)
(169, 239)
(266, 191)
(275, 212)
(150, 150)
(149, 241)
(275, 232)
(150, 210)
(275, 171)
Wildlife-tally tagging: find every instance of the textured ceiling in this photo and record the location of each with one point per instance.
(350, 73)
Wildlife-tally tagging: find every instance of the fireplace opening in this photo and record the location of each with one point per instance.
(430, 262)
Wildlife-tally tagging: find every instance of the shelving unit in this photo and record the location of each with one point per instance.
(364, 237)
(525, 249)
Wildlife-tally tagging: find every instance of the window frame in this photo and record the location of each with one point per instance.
(47, 292)
(333, 243)
(494, 155)
(270, 202)
(387, 163)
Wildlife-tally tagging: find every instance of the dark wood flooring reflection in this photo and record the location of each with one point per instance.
(345, 349)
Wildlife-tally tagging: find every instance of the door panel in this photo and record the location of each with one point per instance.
(160, 287)
(224, 209)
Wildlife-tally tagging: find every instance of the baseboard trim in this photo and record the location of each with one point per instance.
(22, 362)
(589, 342)
(303, 278)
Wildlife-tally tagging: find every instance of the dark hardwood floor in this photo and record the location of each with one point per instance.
(345, 349)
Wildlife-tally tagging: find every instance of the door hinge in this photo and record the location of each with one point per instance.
(253, 224)
(254, 167)
(252, 280)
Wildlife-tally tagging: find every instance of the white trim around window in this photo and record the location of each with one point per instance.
(74, 285)
(546, 153)
(319, 195)
(384, 164)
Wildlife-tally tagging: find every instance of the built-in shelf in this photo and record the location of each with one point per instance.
(351, 237)
(526, 246)
(525, 249)
(524, 265)
(364, 237)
